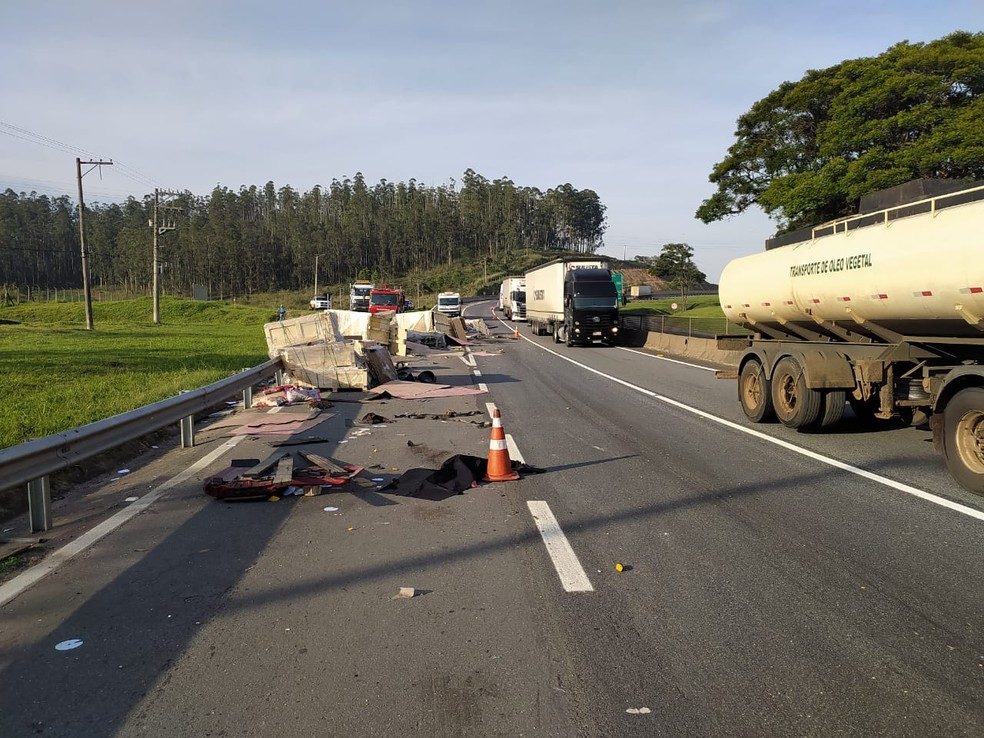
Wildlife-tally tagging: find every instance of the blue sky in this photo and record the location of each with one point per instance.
(636, 100)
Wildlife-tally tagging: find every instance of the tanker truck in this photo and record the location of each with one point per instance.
(573, 299)
(882, 311)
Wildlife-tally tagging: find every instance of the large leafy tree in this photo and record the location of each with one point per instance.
(808, 151)
(675, 264)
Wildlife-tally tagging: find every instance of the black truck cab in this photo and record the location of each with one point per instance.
(590, 307)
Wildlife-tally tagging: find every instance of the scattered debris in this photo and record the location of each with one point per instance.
(373, 419)
(405, 593)
(276, 474)
(287, 394)
(69, 644)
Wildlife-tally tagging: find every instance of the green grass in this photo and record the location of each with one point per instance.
(56, 375)
(698, 306)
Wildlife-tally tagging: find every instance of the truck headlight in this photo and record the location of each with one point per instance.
(614, 329)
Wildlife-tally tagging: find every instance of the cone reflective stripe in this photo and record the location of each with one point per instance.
(499, 468)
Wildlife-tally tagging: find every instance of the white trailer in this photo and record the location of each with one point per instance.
(883, 310)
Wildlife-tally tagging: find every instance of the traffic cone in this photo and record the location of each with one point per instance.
(499, 468)
(516, 331)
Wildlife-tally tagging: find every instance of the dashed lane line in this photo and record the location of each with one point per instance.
(572, 575)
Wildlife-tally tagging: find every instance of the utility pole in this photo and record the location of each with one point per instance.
(86, 289)
(316, 256)
(159, 229)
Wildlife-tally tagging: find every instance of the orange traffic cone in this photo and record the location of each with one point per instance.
(516, 331)
(499, 465)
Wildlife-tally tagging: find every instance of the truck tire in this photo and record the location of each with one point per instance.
(796, 405)
(556, 332)
(755, 393)
(832, 405)
(963, 438)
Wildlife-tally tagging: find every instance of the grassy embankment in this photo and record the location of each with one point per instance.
(56, 375)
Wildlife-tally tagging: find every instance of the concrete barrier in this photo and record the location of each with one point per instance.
(695, 348)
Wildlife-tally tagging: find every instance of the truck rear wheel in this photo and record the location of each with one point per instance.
(832, 405)
(755, 393)
(963, 438)
(796, 405)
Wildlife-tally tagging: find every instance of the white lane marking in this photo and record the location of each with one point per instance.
(468, 360)
(22, 581)
(565, 561)
(513, 449)
(476, 372)
(482, 386)
(490, 408)
(901, 487)
(663, 358)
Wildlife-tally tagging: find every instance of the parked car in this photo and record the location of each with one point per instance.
(321, 302)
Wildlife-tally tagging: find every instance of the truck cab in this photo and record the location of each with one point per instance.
(590, 307)
(385, 299)
(359, 295)
(449, 303)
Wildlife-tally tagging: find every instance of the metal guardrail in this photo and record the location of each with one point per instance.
(30, 463)
(683, 326)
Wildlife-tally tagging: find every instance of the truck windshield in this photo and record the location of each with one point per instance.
(383, 299)
(595, 295)
(519, 296)
(361, 291)
(448, 300)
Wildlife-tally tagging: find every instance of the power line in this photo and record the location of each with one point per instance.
(24, 134)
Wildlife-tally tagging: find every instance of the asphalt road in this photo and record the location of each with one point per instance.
(772, 583)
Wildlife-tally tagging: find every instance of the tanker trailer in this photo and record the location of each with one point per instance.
(883, 311)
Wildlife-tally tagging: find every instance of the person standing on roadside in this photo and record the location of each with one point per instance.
(282, 313)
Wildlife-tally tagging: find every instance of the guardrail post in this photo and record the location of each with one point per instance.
(187, 425)
(39, 504)
(188, 431)
(247, 398)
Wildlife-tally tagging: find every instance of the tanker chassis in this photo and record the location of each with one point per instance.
(882, 311)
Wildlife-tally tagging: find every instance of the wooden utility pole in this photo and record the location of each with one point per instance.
(86, 289)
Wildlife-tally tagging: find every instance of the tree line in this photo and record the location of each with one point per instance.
(263, 239)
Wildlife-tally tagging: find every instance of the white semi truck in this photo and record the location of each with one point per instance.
(574, 300)
(512, 298)
(883, 311)
(449, 303)
(359, 294)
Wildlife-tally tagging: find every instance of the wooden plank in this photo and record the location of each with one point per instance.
(285, 470)
(324, 462)
(260, 469)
